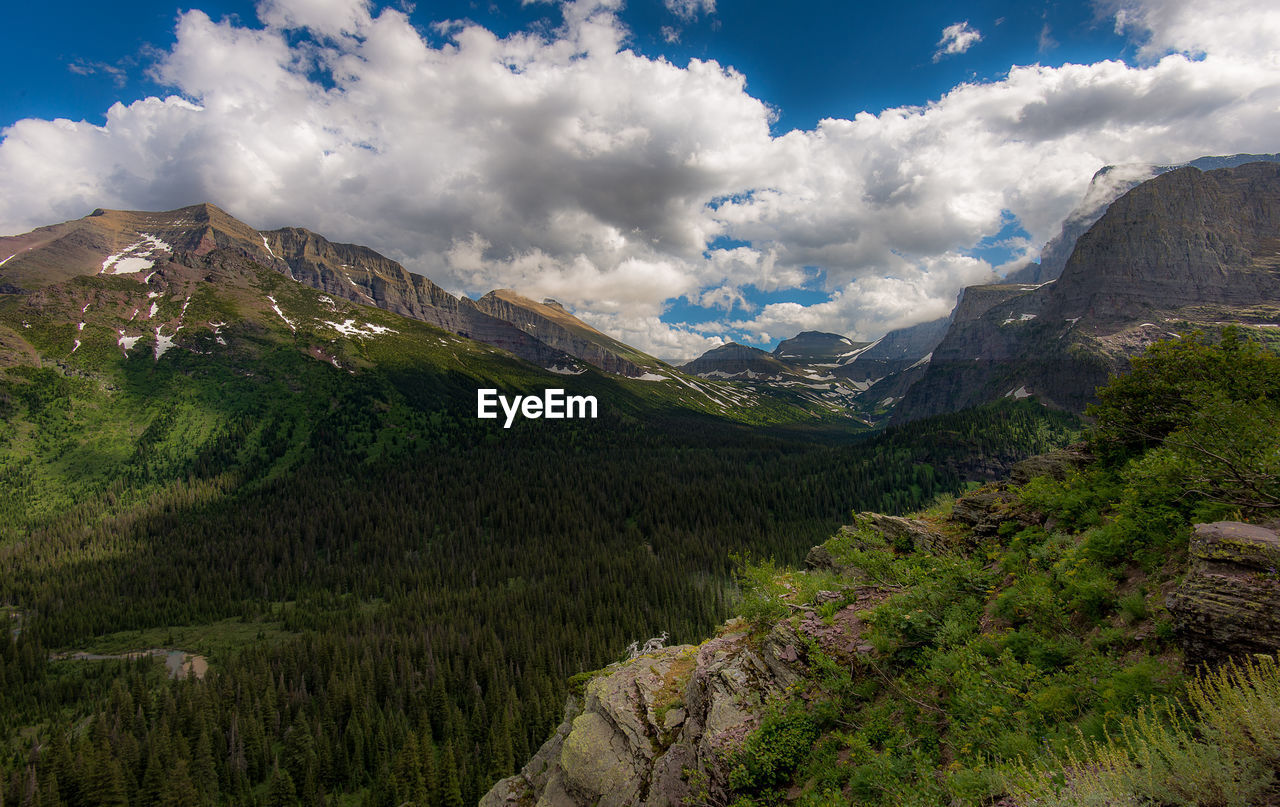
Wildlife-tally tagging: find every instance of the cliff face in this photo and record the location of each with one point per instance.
(654, 730)
(1186, 249)
(1229, 602)
(552, 325)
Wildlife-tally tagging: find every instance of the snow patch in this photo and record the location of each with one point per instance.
(1073, 320)
(80, 327)
(268, 246)
(349, 328)
(127, 342)
(154, 308)
(887, 401)
(136, 257)
(925, 359)
(568, 370)
(845, 358)
(651, 377)
(86, 308)
(76, 346)
(131, 266)
(276, 308)
(1018, 394)
(151, 295)
(163, 343)
(6, 260)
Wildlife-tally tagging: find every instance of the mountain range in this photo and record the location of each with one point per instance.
(1150, 252)
(119, 283)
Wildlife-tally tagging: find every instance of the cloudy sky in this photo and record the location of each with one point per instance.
(677, 172)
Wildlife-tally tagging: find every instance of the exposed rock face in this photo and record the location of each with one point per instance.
(1185, 249)
(734, 359)
(1229, 602)
(361, 275)
(895, 352)
(551, 324)
(1055, 464)
(1111, 182)
(908, 534)
(653, 731)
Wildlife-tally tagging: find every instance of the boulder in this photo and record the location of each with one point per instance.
(1229, 602)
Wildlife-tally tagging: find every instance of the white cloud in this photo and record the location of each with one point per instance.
(688, 9)
(562, 164)
(956, 38)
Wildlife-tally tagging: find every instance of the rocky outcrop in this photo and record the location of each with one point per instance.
(1229, 602)
(655, 730)
(1055, 464)
(906, 534)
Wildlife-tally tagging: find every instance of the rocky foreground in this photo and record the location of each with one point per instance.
(660, 728)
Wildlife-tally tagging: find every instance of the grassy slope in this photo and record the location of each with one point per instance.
(1039, 665)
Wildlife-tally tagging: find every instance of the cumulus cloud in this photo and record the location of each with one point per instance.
(956, 38)
(563, 164)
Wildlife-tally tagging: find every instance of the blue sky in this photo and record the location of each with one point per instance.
(808, 60)
(678, 172)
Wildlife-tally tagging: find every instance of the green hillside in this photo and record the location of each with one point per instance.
(380, 584)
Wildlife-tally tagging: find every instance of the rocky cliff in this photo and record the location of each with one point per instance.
(655, 730)
(1187, 249)
(1229, 602)
(551, 324)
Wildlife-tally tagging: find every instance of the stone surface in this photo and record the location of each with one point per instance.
(653, 731)
(552, 325)
(1229, 602)
(908, 534)
(1055, 464)
(1185, 249)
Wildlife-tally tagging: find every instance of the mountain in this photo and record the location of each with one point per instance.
(816, 349)
(1187, 249)
(864, 379)
(737, 361)
(156, 281)
(116, 242)
(552, 325)
(1108, 184)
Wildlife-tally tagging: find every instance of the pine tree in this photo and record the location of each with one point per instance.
(280, 791)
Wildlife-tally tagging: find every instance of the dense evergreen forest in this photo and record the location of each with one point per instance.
(390, 595)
